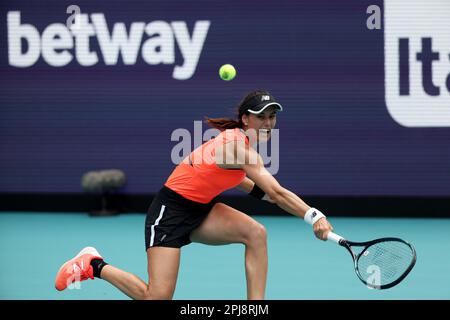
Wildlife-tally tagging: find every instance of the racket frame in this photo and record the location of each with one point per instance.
(349, 244)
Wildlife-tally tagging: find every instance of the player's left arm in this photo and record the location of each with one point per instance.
(246, 185)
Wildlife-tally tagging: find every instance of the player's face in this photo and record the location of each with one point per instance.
(263, 123)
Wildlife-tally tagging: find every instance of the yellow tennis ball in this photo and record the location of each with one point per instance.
(227, 72)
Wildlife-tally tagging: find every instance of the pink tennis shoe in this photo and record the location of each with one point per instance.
(77, 269)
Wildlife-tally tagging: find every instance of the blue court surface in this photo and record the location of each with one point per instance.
(33, 246)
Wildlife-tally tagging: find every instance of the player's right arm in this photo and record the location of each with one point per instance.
(246, 158)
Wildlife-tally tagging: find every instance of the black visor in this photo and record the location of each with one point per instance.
(261, 102)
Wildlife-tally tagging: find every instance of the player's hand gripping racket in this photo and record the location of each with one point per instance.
(382, 263)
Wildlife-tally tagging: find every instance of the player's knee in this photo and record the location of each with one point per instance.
(155, 293)
(158, 295)
(256, 234)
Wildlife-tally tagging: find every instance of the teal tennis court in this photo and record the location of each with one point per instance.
(33, 245)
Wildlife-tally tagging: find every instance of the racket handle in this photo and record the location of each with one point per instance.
(334, 237)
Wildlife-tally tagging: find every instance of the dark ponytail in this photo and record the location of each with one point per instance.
(223, 123)
(227, 123)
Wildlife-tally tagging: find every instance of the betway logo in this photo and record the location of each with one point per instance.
(59, 45)
(417, 62)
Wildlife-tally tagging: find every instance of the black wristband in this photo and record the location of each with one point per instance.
(257, 192)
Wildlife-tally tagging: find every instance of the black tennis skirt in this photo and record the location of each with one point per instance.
(171, 218)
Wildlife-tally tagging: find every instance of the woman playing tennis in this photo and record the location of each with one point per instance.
(185, 210)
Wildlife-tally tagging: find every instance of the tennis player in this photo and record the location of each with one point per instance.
(186, 210)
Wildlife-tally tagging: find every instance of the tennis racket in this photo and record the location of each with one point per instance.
(381, 263)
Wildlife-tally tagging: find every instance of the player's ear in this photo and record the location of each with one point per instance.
(245, 119)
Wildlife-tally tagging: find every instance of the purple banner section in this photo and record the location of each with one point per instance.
(111, 93)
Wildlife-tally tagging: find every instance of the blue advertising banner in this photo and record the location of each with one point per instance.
(88, 85)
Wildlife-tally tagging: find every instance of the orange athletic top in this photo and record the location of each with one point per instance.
(199, 178)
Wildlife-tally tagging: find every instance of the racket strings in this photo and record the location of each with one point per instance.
(385, 262)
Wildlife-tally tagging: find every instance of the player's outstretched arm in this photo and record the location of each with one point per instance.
(284, 198)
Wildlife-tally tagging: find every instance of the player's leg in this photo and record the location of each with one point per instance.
(225, 225)
(128, 283)
(163, 265)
